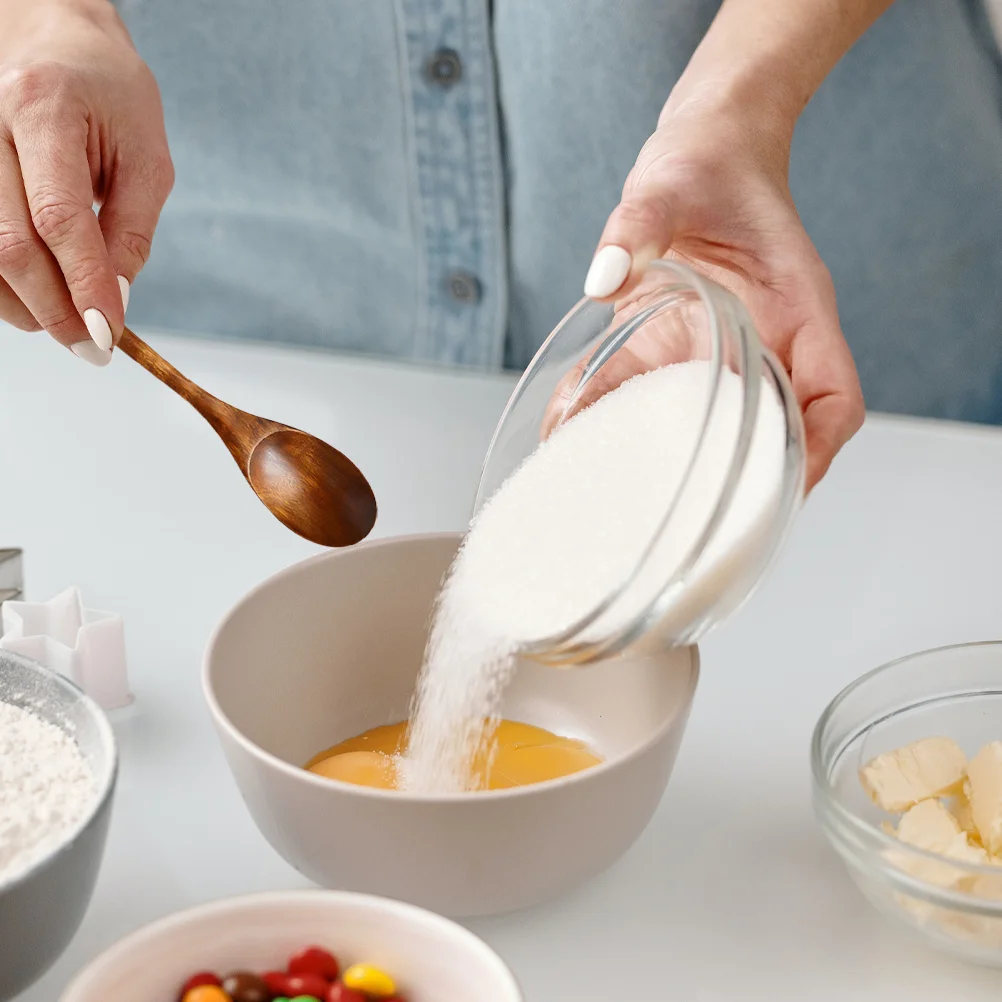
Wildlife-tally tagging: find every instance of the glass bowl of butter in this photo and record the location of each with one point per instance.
(907, 782)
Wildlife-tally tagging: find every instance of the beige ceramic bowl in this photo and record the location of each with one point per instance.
(332, 646)
(432, 959)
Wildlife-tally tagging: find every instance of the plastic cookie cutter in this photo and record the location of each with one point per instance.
(85, 645)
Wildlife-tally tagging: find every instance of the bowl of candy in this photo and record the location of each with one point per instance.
(57, 777)
(310, 680)
(907, 779)
(314, 946)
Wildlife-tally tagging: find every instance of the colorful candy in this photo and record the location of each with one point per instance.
(276, 982)
(243, 986)
(311, 975)
(206, 993)
(314, 985)
(339, 992)
(197, 980)
(315, 960)
(369, 980)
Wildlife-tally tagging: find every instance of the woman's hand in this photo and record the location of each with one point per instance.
(710, 189)
(80, 123)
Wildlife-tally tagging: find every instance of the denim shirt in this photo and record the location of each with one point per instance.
(427, 179)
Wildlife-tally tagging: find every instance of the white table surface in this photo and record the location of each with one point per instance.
(109, 482)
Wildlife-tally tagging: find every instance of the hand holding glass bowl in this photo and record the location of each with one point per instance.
(710, 189)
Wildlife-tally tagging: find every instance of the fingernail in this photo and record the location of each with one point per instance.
(97, 327)
(608, 271)
(90, 352)
(123, 284)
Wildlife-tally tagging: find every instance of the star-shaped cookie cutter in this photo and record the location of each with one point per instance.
(85, 645)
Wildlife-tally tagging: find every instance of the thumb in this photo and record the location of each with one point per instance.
(640, 229)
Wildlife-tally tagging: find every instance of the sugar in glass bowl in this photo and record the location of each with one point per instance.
(704, 557)
(952, 692)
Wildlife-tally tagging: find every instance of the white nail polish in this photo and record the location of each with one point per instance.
(90, 352)
(608, 271)
(123, 284)
(97, 327)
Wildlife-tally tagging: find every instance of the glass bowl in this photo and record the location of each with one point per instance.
(953, 692)
(675, 316)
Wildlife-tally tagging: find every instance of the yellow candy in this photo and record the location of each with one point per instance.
(369, 980)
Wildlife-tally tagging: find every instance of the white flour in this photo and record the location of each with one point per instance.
(570, 525)
(46, 789)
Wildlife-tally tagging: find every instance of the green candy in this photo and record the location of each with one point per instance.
(300, 998)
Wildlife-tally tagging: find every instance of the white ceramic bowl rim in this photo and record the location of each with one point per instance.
(404, 795)
(106, 783)
(221, 908)
(822, 782)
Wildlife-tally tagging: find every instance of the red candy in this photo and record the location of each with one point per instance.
(314, 960)
(198, 980)
(338, 993)
(306, 984)
(277, 982)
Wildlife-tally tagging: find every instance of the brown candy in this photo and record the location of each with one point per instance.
(243, 986)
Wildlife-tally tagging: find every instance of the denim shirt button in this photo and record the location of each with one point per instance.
(444, 68)
(464, 287)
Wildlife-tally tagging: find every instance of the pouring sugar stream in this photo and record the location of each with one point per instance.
(647, 516)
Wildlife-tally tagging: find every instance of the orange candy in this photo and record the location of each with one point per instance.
(206, 993)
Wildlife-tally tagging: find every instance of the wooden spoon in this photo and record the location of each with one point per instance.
(306, 484)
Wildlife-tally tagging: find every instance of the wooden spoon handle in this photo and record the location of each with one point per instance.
(138, 350)
(239, 430)
(212, 409)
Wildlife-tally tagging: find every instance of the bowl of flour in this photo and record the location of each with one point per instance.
(57, 775)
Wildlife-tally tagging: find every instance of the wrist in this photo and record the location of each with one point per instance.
(56, 30)
(764, 59)
(764, 106)
(40, 14)
(737, 119)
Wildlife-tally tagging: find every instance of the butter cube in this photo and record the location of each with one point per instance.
(985, 773)
(898, 780)
(930, 826)
(964, 850)
(960, 807)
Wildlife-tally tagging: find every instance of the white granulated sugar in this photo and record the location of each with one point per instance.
(46, 789)
(571, 524)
